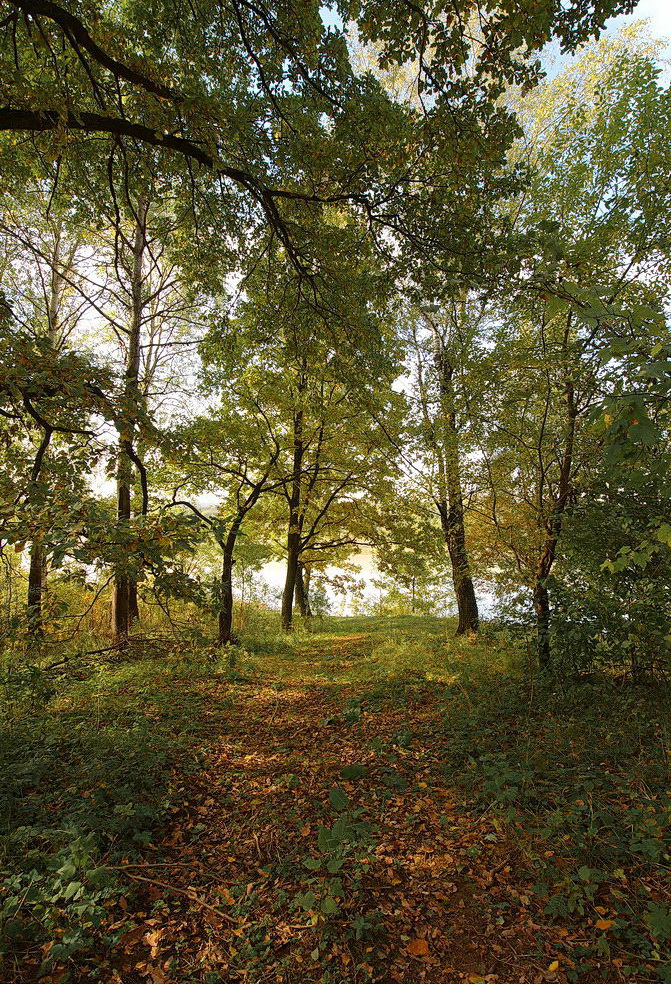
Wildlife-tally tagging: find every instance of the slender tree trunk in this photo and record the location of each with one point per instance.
(451, 502)
(293, 553)
(226, 598)
(306, 590)
(554, 522)
(542, 610)
(464, 592)
(121, 597)
(36, 574)
(133, 606)
(294, 531)
(301, 591)
(125, 590)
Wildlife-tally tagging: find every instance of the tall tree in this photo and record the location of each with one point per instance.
(441, 343)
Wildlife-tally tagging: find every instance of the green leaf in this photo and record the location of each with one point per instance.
(330, 906)
(353, 771)
(658, 918)
(339, 800)
(306, 900)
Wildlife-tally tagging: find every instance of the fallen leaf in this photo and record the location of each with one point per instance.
(418, 948)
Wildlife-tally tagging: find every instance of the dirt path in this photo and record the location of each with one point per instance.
(239, 888)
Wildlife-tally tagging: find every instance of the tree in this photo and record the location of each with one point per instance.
(441, 343)
(42, 278)
(167, 87)
(601, 253)
(232, 453)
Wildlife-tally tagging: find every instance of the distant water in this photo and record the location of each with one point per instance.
(273, 574)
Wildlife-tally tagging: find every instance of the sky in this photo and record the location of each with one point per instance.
(658, 12)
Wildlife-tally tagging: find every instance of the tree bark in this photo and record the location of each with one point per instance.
(294, 532)
(36, 573)
(306, 590)
(542, 610)
(554, 522)
(293, 553)
(451, 501)
(133, 606)
(125, 590)
(226, 599)
(451, 519)
(301, 591)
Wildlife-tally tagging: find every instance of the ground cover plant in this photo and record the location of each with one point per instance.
(369, 801)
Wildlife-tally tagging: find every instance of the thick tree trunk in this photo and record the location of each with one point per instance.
(36, 573)
(124, 606)
(464, 591)
(293, 554)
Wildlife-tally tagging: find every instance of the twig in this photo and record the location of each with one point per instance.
(183, 891)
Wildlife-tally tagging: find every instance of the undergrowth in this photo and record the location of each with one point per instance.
(95, 759)
(88, 778)
(579, 776)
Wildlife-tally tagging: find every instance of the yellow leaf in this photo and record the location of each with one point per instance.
(554, 966)
(604, 923)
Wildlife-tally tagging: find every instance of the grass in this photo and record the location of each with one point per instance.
(575, 778)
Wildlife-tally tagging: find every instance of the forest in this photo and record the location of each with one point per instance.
(335, 503)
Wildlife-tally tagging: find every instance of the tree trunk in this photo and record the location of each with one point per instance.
(37, 572)
(133, 606)
(35, 589)
(553, 523)
(464, 592)
(451, 503)
(121, 597)
(306, 590)
(542, 610)
(293, 553)
(444, 439)
(301, 591)
(124, 606)
(226, 598)
(294, 533)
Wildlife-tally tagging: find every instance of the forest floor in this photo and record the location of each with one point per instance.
(372, 802)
